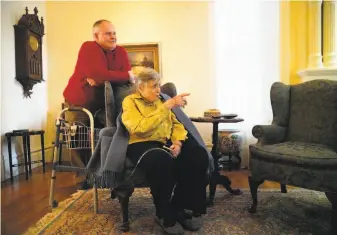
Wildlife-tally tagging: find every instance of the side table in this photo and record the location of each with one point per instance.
(25, 134)
(216, 178)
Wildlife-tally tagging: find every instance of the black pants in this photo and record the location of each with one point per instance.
(187, 172)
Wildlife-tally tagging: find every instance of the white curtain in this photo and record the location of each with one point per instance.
(246, 43)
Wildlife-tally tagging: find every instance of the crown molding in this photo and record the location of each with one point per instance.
(318, 73)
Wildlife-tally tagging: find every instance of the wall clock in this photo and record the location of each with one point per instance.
(28, 51)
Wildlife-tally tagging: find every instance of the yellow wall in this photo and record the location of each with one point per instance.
(285, 42)
(180, 28)
(299, 38)
(294, 39)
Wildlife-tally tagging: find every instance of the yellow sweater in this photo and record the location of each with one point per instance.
(150, 121)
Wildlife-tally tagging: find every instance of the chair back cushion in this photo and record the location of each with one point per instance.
(279, 97)
(313, 113)
(169, 89)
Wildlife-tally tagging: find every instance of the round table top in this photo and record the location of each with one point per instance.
(216, 120)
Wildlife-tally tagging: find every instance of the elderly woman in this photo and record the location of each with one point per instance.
(155, 134)
(151, 123)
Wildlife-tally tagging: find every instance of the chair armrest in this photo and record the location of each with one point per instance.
(269, 134)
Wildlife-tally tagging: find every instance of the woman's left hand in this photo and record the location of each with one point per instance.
(175, 150)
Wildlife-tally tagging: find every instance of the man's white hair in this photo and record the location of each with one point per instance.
(97, 24)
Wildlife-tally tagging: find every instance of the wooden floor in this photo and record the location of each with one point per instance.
(24, 202)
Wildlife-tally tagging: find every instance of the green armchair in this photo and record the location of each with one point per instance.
(299, 148)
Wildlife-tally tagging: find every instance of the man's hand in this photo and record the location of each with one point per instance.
(131, 76)
(178, 100)
(92, 82)
(175, 150)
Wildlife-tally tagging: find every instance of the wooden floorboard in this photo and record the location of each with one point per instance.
(24, 202)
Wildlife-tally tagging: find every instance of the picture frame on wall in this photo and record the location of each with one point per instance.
(143, 55)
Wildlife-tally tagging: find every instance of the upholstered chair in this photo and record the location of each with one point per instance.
(299, 148)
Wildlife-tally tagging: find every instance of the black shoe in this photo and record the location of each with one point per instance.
(175, 229)
(189, 222)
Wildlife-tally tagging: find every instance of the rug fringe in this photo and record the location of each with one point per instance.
(49, 217)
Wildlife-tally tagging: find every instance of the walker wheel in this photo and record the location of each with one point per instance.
(54, 204)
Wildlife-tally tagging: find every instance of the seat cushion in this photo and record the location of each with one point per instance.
(301, 154)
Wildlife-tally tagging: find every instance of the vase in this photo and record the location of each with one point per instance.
(230, 141)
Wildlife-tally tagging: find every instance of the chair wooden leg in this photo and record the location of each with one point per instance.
(112, 194)
(123, 195)
(95, 195)
(124, 202)
(253, 185)
(283, 188)
(333, 199)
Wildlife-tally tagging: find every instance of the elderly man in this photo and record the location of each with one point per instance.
(98, 61)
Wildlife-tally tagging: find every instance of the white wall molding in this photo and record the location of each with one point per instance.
(316, 69)
(329, 25)
(318, 73)
(315, 31)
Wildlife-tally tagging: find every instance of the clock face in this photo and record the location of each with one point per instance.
(33, 43)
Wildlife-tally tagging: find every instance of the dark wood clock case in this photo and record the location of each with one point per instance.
(28, 51)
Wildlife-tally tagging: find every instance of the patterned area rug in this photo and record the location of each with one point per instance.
(297, 212)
